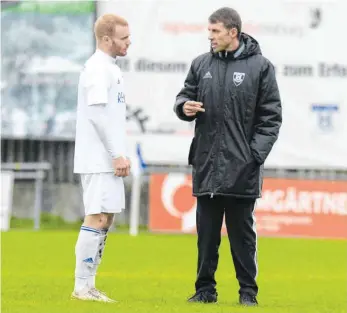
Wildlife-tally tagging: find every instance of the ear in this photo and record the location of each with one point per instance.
(233, 32)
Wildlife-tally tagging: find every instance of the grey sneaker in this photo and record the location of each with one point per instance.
(90, 294)
(102, 295)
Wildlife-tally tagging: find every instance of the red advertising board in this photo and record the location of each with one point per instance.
(288, 207)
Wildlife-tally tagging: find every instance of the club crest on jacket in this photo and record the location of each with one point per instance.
(238, 78)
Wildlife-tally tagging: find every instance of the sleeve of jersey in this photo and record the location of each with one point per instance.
(106, 129)
(97, 84)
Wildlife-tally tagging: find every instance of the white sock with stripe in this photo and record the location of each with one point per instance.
(86, 251)
(101, 247)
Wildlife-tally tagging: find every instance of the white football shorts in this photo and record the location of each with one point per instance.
(102, 193)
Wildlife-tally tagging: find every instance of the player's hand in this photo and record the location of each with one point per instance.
(121, 167)
(128, 167)
(190, 108)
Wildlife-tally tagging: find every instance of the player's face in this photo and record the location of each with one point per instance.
(220, 37)
(120, 42)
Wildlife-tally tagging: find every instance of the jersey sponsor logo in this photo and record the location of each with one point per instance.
(121, 97)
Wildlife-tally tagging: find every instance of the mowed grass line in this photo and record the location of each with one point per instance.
(155, 273)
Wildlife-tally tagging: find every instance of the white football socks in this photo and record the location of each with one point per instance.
(86, 251)
(101, 247)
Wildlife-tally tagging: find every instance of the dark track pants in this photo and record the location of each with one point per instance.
(240, 224)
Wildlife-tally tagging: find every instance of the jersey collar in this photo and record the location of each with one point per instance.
(105, 56)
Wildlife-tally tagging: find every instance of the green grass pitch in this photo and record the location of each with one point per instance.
(155, 273)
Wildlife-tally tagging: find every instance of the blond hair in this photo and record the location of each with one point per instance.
(105, 25)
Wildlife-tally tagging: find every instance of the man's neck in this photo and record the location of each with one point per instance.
(104, 50)
(233, 46)
(105, 54)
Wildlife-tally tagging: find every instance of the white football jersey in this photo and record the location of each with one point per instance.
(101, 81)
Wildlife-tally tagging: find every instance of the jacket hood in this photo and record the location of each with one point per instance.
(248, 47)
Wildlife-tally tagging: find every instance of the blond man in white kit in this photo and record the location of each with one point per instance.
(100, 152)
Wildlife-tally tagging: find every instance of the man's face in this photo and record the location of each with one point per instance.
(221, 38)
(118, 45)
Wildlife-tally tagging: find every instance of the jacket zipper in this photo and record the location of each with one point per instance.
(219, 129)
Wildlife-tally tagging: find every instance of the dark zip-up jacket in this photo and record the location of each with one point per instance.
(241, 122)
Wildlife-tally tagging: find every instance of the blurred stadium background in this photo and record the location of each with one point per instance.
(43, 47)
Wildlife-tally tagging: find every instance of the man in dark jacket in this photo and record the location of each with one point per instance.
(232, 94)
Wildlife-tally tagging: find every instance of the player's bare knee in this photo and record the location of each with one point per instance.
(103, 220)
(110, 220)
(97, 221)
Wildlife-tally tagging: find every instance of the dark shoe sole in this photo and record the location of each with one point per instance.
(210, 298)
(248, 303)
(204, 302)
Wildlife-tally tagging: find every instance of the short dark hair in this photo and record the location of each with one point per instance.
(228, 16)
